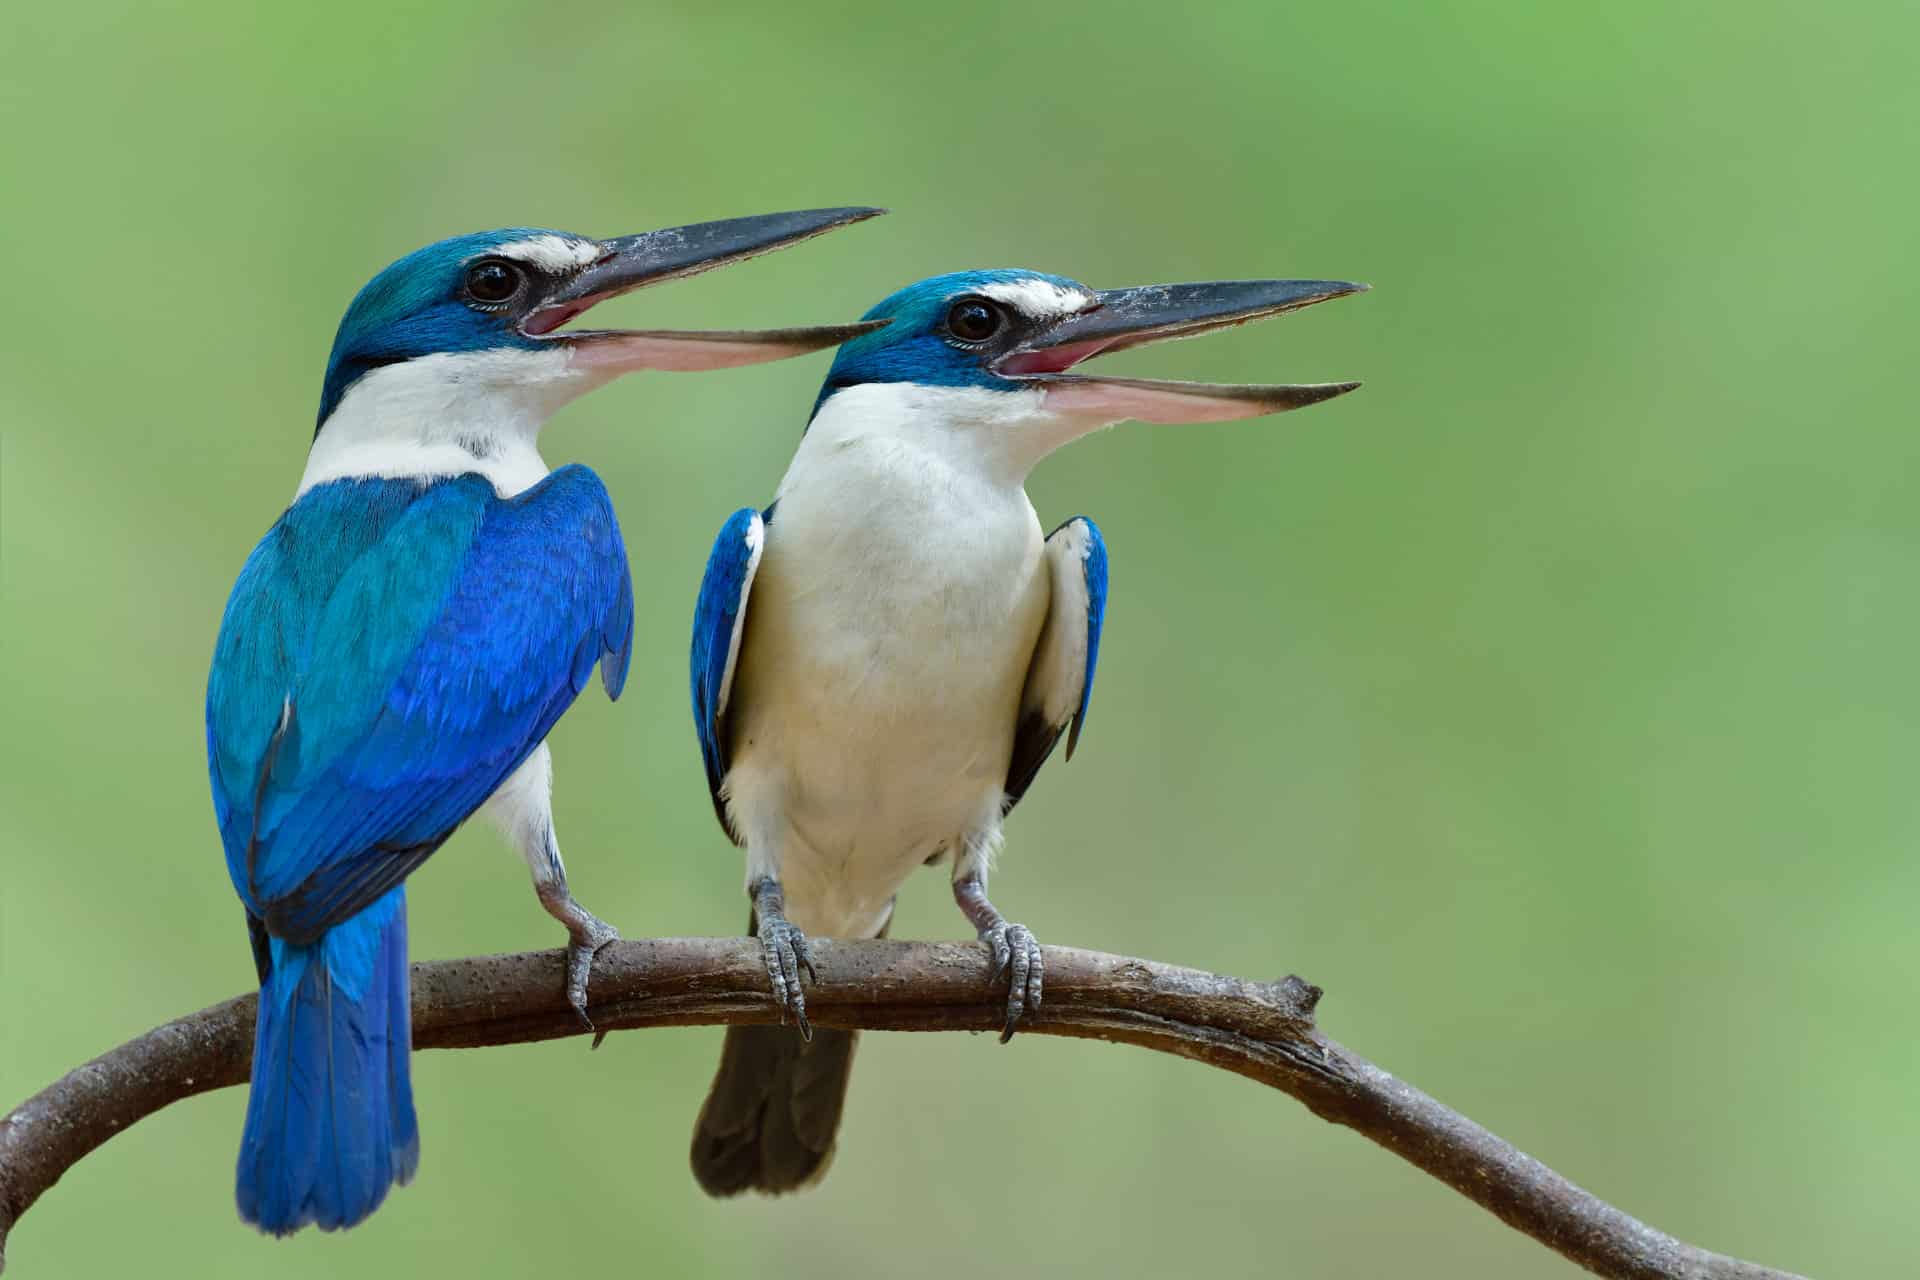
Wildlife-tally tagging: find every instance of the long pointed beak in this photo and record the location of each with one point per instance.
(1123, 318)
(633, 262)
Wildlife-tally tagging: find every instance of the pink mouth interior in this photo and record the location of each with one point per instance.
(1053, 359)
(551, 318)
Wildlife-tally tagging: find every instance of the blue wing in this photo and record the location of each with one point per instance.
(719, 622)
(391, 653)
(1060, 679)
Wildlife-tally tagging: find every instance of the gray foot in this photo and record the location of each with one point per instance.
(587, 936)
(1016, 956)
(585, 940)
(786, 954)
(1015, 951)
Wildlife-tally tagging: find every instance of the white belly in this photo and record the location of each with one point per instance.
(888, 636)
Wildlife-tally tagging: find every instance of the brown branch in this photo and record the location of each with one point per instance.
(1264, 1031)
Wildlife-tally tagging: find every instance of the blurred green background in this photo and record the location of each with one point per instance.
(1550, 701)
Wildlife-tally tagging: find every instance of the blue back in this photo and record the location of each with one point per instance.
(392, 651)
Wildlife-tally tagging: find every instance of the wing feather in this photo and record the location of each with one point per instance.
(719, 624)
(416, 664)
(1059, 684)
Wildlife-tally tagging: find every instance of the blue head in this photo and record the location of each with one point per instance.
(484, 311)
(465, 294)
(1016, 333)
(951, 330)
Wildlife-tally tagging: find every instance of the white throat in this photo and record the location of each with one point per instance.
(450, 414)
(996, 435)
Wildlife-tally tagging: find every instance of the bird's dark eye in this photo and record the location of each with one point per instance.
(974, 319)
(493, 280)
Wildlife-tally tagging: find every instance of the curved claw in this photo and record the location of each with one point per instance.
(786, 954)
(1016, 954)
(588, 940)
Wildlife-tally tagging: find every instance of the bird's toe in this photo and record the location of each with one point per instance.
(588, 940)
(786, 954)
(1016, 957)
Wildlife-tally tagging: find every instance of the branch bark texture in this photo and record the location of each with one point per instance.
(1264, 1031)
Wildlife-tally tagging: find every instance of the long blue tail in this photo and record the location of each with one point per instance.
(330, 1122)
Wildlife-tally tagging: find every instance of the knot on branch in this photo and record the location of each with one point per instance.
(1298, 992)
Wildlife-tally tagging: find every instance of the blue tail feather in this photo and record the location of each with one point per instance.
(330, 1123)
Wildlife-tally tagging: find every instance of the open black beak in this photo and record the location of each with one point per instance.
(633, 262)
(1124, 318)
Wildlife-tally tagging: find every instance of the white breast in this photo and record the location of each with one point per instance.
(891, 625)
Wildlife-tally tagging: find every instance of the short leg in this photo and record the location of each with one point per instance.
(523, 808)
(786, 950)
(1016, 952)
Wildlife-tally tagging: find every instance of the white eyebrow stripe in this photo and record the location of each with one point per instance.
(552, 253)
(1038, 298)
